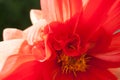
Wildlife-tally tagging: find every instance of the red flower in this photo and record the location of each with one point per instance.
(81, 42)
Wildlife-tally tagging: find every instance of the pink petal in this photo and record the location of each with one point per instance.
(60, 10)
(8, 48)
(11, 33)
(35, 16)
(32, 34)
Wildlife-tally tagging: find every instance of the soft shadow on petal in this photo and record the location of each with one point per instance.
(35, 15)
(12, 33)
(8, 48)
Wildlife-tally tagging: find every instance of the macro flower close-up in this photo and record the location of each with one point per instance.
(68, 40)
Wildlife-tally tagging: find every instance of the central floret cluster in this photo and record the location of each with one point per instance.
(73, 64)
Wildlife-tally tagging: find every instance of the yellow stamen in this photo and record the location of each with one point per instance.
(72, 64)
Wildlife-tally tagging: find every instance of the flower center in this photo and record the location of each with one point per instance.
(72, 64)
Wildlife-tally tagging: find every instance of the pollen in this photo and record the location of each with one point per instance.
(72, 64)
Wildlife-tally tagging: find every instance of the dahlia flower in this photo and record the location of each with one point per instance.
(69, 40)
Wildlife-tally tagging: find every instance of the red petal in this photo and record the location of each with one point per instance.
(67, 29)
(113, 53)
(98, 39)
(34, 70)
(102, 74)
(29, 70)
(113, 20)
(93, 16)
(96, 71)
(49, 70)
(97, 10)
(104, 64)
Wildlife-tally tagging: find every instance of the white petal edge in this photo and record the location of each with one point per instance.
(8, 48)
(12, 33)
(35, 15)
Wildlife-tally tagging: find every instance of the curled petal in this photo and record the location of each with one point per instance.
(32, 34)
(38, 50)
(35, 16)
(11, 33)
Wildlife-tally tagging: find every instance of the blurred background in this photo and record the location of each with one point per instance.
(15, 13)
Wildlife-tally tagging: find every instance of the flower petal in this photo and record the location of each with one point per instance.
(34, 70)
(29, 70)
(93, 17)
(38, 71)
(116, 71)
(60, 10)
(35, 16)
(32, 34)
(84, 3)
(102, 74)
(12, 33)
(8, 48)
(96, 73)
(98, 39)
(23, 55)
(113, 21)
(113, 53)
(97, 10)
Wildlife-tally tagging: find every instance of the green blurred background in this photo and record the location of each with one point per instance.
(15, 13)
